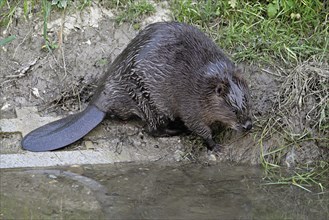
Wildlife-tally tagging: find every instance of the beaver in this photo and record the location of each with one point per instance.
(173, 77)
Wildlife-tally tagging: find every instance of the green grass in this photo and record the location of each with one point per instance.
(7, 11)
(7, 40)
(130, 10)
(313, 178)
(251, 34)
(10, 10)
(135, 10)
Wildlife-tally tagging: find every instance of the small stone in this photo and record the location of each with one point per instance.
(35, 92)
(89, 145)
(178, 155)
(76, 169)
(291, 158)
(212, 157)
(52, 176)
(5, 106)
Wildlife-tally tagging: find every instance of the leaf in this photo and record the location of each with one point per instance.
(54, 2)
(290, 3)
(59, 3)
(272, 10)
(63, 4)
(232, 3)
(7, 40)
(25, 7)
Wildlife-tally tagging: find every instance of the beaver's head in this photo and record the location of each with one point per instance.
(226, 96)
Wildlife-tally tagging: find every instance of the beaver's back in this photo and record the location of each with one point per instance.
(171, 66)
(164, 74)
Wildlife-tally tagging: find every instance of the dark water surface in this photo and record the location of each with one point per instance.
(153, 191)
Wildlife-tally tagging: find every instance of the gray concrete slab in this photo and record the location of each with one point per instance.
(102, 149)
(66, 158)
(27, 120)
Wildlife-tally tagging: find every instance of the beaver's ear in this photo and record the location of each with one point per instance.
(239, 69)
(222, 88)
(217, 85)
(238, 75)
(219, 89)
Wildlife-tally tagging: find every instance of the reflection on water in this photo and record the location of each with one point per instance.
(153, 191)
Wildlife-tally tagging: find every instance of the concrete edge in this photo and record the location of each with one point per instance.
(66, 158)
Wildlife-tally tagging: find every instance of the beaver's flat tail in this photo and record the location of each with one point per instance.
(63, 132)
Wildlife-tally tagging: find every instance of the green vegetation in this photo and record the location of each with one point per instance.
(258, 31)
(10, 10)
(7, 40)
(306, 178)
(46, 7)
(59, 3)
(133, 11)
(129, 10)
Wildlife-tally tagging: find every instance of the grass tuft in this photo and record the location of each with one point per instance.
(135, 10)
(315, 178)
(299, 121)
(7, 40)
(129, 10)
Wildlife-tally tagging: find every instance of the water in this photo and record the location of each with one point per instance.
(153, 191)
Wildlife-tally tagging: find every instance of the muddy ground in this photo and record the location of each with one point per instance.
(62, 82)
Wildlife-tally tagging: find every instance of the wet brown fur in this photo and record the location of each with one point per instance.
(173, 72)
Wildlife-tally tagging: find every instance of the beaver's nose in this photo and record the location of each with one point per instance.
(248, 125)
